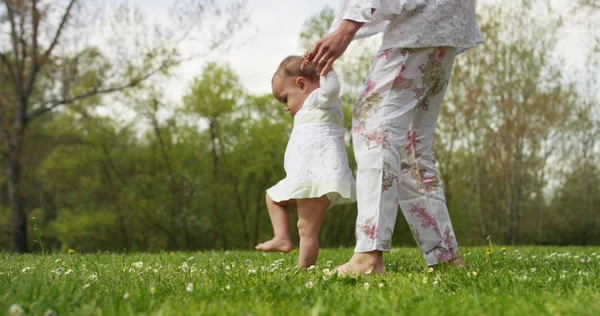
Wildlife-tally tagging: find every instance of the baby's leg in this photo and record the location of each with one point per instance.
(280, 219)
(310, 218)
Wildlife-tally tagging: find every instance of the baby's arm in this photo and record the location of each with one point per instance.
(330, 89)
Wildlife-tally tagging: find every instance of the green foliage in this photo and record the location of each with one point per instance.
(535, 280)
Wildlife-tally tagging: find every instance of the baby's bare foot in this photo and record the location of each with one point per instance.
(276, 245)
(362, 264)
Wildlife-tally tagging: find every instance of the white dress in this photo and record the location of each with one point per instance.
(414, 23)
(315, 160)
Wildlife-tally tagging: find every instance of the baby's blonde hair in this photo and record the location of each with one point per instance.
(290, 67)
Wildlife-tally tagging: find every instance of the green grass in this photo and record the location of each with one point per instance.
(525, 280)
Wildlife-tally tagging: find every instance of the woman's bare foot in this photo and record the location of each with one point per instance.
(364, 263)
(455, 263)
(276, 245)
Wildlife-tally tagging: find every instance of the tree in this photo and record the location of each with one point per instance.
(40, 74)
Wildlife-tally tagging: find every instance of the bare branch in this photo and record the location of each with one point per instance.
(15, 45)
(63, 21)
(35, 66)
(54, 104)
(5, 61)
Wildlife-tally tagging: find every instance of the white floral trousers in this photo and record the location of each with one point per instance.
(393, 129)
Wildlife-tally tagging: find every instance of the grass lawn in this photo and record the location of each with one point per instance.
(518, 281)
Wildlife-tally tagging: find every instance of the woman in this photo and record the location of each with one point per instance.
(395, 118)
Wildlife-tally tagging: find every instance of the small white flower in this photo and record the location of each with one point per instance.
(563, 276)
(57, 261)
(50, 313)
(227, 287)
(435, 282)
(326, 271)
(311, 268)
(368, 272)
(519, 258)
(69, 271)
(367, 285)
(228, 267)
(430, 270)
(381, 285)
(59, 271)
(580, 272)
(189, 287)
(525, 277)
(309, 285)
(138, 264)
(152, 290)
(24, 270)
(581, 260)
(533, 270)
(155, 270)
(15, 310)
(85, 286)
(191, 258)
(424, 280)
(184, 267)
(251, 271)
(550, 279)
(93, 277)
(126, 296)
(474, 273)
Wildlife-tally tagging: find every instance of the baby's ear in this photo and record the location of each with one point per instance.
(301, 82)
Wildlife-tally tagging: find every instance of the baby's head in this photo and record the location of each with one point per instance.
(292, 85)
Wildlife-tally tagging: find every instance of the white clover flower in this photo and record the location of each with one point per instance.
(228, 267)
(582, 260)
(424, 280)
(525, 277)
(312, 267)
(580, 272)
(138, 264)
(367, 285)
(93, 277)
(15, 310)
(85, 286)
(435, 282)
(26, 269)
(251, 271)
(152, 290)
(309, 285)
(50, 313)
(474, 273)
(326, 271)
(69, 271)
(189, 287)
(59, 271)
(126, 296)
(368, 272)
(155, 270)
(184, 267)
(381, 285)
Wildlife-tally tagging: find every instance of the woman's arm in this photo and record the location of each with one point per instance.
(331, 47)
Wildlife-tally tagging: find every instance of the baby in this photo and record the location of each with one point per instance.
(315, 162)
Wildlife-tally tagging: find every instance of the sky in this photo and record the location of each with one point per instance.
(273, 33)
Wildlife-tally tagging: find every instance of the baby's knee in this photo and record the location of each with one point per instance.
(305, 228)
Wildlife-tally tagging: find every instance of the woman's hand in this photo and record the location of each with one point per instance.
(331, 47)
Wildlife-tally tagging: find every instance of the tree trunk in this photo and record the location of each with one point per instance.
(15, 197)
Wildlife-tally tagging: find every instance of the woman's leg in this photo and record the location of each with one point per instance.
(310, 217)
(280, 219)
(403, 84)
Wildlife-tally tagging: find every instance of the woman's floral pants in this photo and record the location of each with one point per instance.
(393, 130)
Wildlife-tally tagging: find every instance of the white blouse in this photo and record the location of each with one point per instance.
(414, 23)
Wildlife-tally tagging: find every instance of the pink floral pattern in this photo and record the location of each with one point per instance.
(369, 228)
(388, 178)
(385, 54)
(378, 138)
(428, 221)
